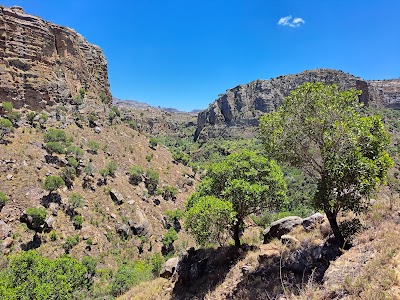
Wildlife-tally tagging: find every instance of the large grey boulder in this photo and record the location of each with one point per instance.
(140, 225)
(170, 267)
(281, 227)
(123, 230)
(117, 197)
(310, 222)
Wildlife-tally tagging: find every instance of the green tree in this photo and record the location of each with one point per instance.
(5, 128)
(153, 142)
(75, 200)
(93, 146)
(55, 135)
(38, 215)
(320, 130)
(250, 182)
(30, 116)
(52, 183)
(136, 175)
(54, 147)
(7, 106)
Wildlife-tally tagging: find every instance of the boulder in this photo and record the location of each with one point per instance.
(116, 197)
(7, 243)
(54, 208)
(310, 222)
(140, 225)
(48, 223)
(97, 129)
(281, 227)
(170, 267)
(5, 230)
(123, 230)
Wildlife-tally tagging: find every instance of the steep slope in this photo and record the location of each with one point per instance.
(236, 112)
(42, 63)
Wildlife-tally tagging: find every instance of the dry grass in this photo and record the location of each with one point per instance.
(157, 289)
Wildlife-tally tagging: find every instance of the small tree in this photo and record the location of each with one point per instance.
(153, 142)
(320, 130)
(30, 116)
(75, 201)
(55, 135)
(38, 216)
(52, 183)
(135, 175)
(5, 128)
(93, 146)
(151, 180)
(54, 147)
(249, 182)
(7, 106)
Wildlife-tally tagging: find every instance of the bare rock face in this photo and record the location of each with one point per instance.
(43, 64)
(236, 112)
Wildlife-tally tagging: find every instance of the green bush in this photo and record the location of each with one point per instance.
(104, 172)
(181, 157)
(75, 151)
(14, 116)
(75, 200)
(7, 106)
(43, 119)
(30, 116)
(77, 221)
(153, 142)
(70, 243)
(151, 180)
(55, 135)
(112, 167)
(5, 127)
(93, 146)
(169, 192)
(73, 162)
(172, 215)
(136, 174)
(3, 200)
(169, 238)
(31, 276)
(132, 124)
(52, 183)
(54, 147)
(129, 275)
(38, 215)
(53, 235)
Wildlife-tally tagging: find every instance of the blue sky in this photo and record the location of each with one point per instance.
(183, 54)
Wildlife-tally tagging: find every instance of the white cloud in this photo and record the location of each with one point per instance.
(291, 22)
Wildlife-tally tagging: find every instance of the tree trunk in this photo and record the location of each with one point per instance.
(236, 233)
(335, 227)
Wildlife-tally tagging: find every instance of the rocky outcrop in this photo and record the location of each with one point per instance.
(281, 227)
(42, 63)
(236, 112)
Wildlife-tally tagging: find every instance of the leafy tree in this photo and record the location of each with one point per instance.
(52, 183)
(38, 215)
(76, 200)
(73, 162)
(168, 240)
(169, 192)
(14, 117)
(151, 180)
(153, 142)
(320, 130)
(3, 200)
(43, 119)
(77, 221)
(249, 182)
(209, 219)
(75, 151)
(93, 146)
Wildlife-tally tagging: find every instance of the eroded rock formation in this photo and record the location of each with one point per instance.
(237, 111)
(42, 63)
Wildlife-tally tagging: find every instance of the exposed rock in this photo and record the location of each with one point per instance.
(9, 176)
(236, 112)
(5, 230)
(123, 230)
(54, 208)
(281, 227)
(10, 213)
(116, 197)
(43, 64)
(140, 225)
(170, 267)
(311, 221)
(48, 224)
(97, 129)
(7, 243)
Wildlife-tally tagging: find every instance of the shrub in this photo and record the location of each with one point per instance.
(73, 162)
(169, 238)
(132, 124)
(43, 119)
(38, 215)
(112, 167)
(173, 215)
(55, 135)
(90, 265)
(104, 172)
(7, 106)
(14, 116)
(53, 235)
(153, 142)
(78, 221)
(76, 200)
(169, 192)
(54, 147)
(151, 180)
(149, 157)
(68, 175)
(70, 243)
(31, 276)
(5, 127)
(156, 261)
(93, 146)
(135, 174)
(129, 275)
(30, 116)
(75, 151)
(181, 157)
(52, 183)
(3, 200)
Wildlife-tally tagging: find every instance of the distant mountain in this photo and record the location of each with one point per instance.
(236, 112)
(141, 105)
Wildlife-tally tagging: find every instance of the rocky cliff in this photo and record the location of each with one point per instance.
(237, 111)
(42, 63)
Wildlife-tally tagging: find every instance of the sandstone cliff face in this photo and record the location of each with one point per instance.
(42, 63)
(237, 111)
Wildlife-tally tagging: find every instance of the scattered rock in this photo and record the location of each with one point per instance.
(54, 208)
(9, 176)
(114, 216)
(310, 222)
(123, 230)
(48, 224)
(5, 230)
(116, 197)
(170, 267)
(281, 227)
(140, 226)
(97, 129)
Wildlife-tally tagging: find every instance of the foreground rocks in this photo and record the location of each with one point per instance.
(281, 227)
